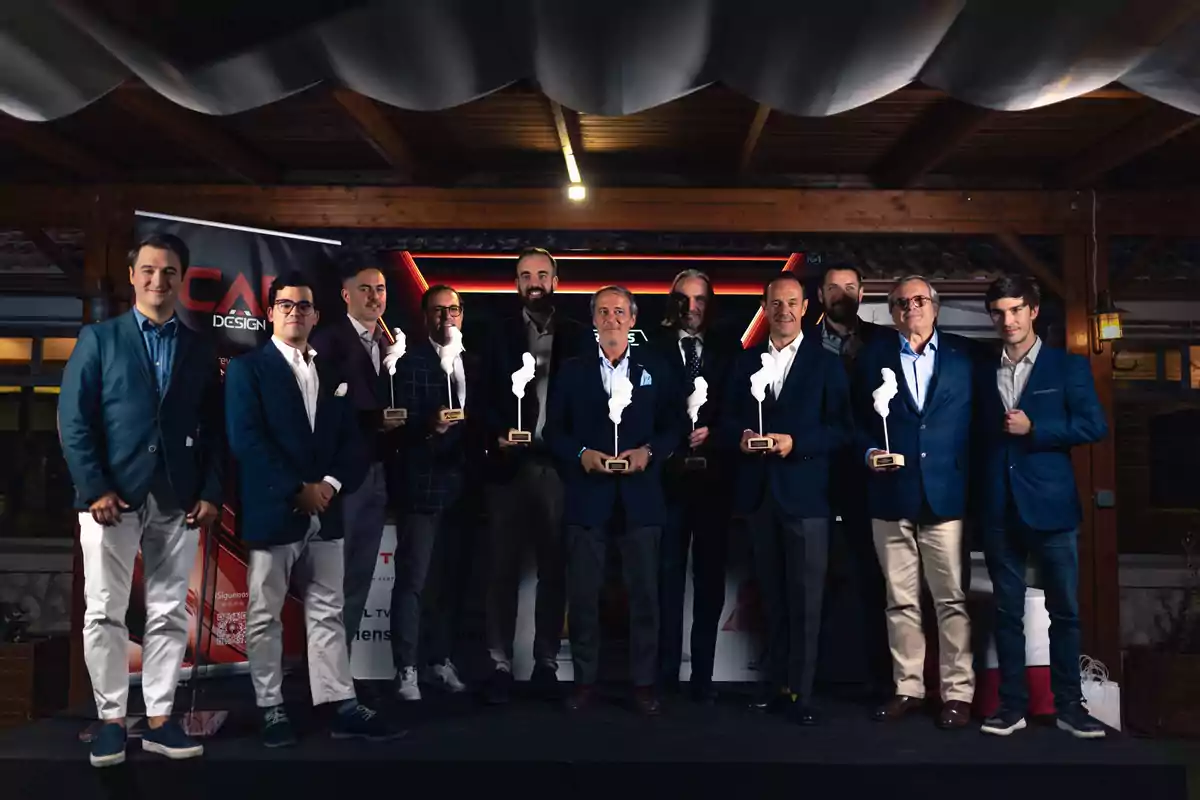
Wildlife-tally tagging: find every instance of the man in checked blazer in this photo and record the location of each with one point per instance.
(428, 489)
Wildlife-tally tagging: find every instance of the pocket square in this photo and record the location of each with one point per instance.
(340, 391)
(646, 381)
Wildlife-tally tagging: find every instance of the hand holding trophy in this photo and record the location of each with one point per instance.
(759, 382)
(620, 397)
(450, 352)
(883, 398)
(520, 379)
(393, 354)
(695, 400)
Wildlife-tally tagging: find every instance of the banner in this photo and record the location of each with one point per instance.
(223, 296)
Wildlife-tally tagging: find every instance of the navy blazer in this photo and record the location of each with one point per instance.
(277, 451)
(1060, 400)
(935, 442)
(113, 425)
(577, 418)
(813, 408)
(432, 466)
(338, 345)
(505, 345)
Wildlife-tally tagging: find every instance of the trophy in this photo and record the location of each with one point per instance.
(620, 397)
(883, 398)
(451, 351)
(520, 379)
(697, 398)
(395, 352)
(759, 382)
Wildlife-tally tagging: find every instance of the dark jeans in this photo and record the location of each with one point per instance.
(697, 523)
(586, 552)
(425, 592)
(364, 512)
(790, 557)
(1007, 550)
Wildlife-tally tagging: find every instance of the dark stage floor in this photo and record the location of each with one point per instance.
(456, 748)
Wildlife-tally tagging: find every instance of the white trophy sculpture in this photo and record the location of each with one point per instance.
(618, 399)
(395, 351)
(520, 379)
(695, 400)
(883, 398)
(759, 382)
(451, 351)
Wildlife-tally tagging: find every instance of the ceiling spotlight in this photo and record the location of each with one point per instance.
(577, 192)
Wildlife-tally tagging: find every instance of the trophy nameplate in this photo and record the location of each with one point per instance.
(760, 443)
(695, 463)
(519, 437)
(616, 464)
(879, 460)
(451, 415)
(395, 414)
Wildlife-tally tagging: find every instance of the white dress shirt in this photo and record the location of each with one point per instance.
(367, 337)
(608, 370)
(460, 374)
(1011, 378)
(783, 362)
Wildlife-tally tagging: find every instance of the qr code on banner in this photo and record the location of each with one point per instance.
(230, 629)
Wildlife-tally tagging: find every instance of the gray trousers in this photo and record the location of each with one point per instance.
(364, 512)
(425, 593)
(586, 551)
(526, 512)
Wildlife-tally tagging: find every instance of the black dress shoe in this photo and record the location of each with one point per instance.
(704, 694)
(579, 699)
(646, 702)
(806, 716)
(498, 688)
(773, 702)
(544, 681)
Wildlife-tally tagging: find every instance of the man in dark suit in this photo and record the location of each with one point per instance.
(1037, 403)
(785, 491)
(917, 509)
(429, 490)
(355, 343)
(698, 500)
(525, 492)
(844, 333)
(139, 418)
(581, 435)
(292, 429)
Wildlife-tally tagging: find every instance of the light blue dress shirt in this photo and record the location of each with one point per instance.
(918, 368)
(160, 346)
(608, 370)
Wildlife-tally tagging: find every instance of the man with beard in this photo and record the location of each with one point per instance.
(844, 334)
(698, 500)
(525, 492)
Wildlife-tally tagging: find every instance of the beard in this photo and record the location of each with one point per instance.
(843, 311)
(539, 303)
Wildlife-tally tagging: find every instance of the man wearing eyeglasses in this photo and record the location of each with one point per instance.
(429, 489)
(917, 509)
(292, 429)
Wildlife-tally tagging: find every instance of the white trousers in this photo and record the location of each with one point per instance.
(168, 548)
(315, 568)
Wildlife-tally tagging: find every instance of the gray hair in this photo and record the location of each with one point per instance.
(621, 290)
(933, 293)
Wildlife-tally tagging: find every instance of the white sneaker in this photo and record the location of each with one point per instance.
(445, 676)
(408, 689)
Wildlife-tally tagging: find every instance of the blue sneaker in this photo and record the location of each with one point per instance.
(1004, 722)
(169, 740)
(277, 728)
(108, 748)
(1075, 720)
(359, 722)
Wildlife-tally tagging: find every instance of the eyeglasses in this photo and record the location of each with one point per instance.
(904, 303)
(453, 311)
(303, 308)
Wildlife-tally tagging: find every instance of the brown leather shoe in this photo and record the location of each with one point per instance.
(955, 714)
(898, 707)
(579, 699)
(645, 702)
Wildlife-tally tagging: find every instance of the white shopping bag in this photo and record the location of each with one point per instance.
(1101, 696)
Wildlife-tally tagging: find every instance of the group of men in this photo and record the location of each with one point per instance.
(321, 457)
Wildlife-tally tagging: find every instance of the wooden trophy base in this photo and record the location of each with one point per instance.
(616, 464)
(695, 463)
(451, 415)
(520, 437)
(879, 460)
(395, 414)
(760, 443)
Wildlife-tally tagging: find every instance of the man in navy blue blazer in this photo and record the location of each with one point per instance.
(785, 490)
(293, 432)
(139, 418)
(1037, 403)
(598, 500)
(917, 509)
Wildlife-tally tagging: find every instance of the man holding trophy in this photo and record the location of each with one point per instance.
(613, 419)
(913, 396)
(432, 384)
(787, 409)
(525, 492)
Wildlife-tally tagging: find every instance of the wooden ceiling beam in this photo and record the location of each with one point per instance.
(752, 135)
(378, 131)
(1157, 126)
(198, 133)
(39, 139)
(928, 141)
(1040, 270)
